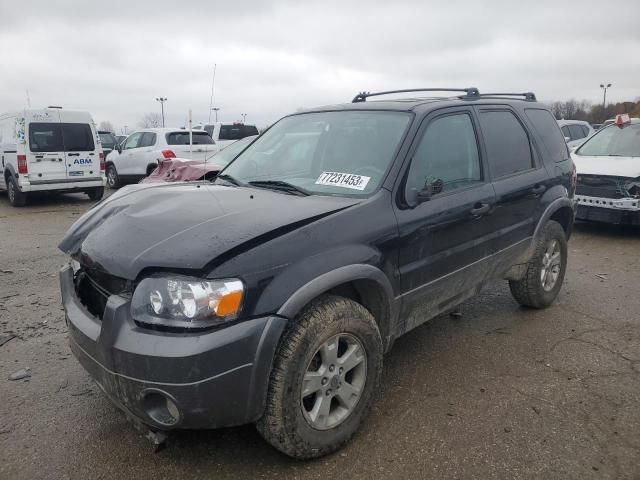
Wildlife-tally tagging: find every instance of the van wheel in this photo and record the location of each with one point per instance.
(113, 180)
(16, 197)
(545, 272)
(326, 373)
(96, 194)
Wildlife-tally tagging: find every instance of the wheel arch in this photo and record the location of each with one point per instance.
(365, 284)
(562, 210)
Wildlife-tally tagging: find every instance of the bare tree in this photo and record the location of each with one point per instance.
(150, 120)
(106, 126)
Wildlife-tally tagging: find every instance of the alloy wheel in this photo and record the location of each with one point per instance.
(551, 265)
(333, 381)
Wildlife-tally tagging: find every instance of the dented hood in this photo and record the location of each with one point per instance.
(610, 166)
(187, 226)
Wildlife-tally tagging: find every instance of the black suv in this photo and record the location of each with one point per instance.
(271, 293)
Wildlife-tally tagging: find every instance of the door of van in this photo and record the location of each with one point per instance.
(82, 150)
(45, 147)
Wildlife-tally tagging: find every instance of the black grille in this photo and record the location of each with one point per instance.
(601, 186)
(94, 288)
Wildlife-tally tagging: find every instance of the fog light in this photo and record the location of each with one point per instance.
(161, 409)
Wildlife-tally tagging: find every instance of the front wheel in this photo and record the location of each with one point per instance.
(545, 271)
(325, 376)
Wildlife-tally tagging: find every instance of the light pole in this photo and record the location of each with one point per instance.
(162, 100)
(244, 117)
(216, 109)
(604, 99)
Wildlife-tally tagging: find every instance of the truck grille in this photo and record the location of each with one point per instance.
(94, 288)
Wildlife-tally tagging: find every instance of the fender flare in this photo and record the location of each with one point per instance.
(553, 207)
(322, 283)
(9, 168)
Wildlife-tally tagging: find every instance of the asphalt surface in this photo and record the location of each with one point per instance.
(502, 392)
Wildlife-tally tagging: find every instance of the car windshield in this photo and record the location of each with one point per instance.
(227, 154)
(613, 141)
(107, 140)
(330, 153)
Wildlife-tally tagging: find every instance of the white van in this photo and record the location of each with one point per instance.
(50, 149)
(226, 133)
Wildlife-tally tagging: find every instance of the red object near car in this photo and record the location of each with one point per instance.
(182, 170)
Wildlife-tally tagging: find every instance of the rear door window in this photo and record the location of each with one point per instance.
(60, 137)
(237, 132)
(77, 137)
(148, 139)
(45, 137)
(182, 138)
(506, 141)
(547, 129)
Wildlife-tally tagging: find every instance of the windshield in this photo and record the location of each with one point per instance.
(182, 138)
(227, 154)
(333, 153)
(108, 140)
(613, 141)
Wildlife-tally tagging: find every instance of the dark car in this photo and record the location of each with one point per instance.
(108, 140)
(270, 294)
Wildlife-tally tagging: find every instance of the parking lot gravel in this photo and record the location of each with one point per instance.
(501, 392)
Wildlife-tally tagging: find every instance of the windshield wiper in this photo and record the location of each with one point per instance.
(228, 178)
(280, 185)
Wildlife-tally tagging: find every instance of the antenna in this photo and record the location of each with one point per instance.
(213, 82)
(28, 99)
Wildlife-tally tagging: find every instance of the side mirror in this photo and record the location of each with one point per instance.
(429, 189)
(567, 139)
(118, 147)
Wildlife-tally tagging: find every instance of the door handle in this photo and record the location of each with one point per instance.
(480, 208)
(73, 154)
(538, 189)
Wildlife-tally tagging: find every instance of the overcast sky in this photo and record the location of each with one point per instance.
(114, 58)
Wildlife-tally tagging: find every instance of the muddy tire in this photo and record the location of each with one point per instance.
(96, 194)
(325, 375)
(16, 197)
(113, 180)
(545, 271)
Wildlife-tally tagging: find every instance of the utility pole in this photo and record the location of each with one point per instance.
(244, 117)
(604, 100)
(216, 109)
(162, 100)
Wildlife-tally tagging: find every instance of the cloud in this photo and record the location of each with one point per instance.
(114, 59)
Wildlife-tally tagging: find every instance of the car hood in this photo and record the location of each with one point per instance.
(610, 166)
(188, 226)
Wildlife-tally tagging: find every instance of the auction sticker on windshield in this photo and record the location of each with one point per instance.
(346, 180)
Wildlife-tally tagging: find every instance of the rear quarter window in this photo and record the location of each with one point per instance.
(549, 133)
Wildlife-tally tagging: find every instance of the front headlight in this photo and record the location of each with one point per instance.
(186, 302)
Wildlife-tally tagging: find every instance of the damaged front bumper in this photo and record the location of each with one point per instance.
(620, 211)
(170, 380)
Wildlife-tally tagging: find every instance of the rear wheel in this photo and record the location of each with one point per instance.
(325, 376)
(545, 271)
(17, 198)
(113, 180)
(96, 194)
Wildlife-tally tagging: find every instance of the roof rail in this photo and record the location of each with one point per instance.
(528, 96)
(362, 96)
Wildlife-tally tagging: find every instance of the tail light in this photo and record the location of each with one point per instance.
(102, 166)
(22, 164)
(168, 153)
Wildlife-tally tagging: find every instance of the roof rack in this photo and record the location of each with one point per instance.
(362, 96)
(470, 93)
(528, 96)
